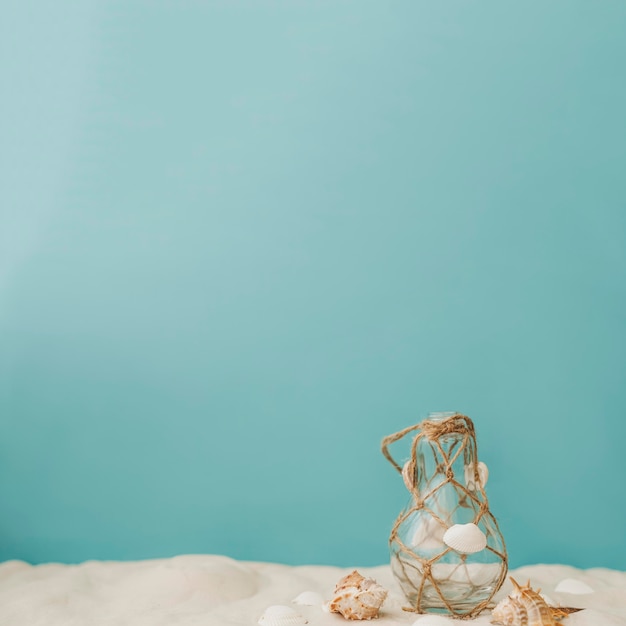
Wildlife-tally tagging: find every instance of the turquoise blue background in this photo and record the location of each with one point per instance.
(243, 241)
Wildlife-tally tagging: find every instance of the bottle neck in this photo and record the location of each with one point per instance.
(440, 453)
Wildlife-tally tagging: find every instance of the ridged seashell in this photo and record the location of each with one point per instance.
(408, 475)
(571, 585)
(433, 620)
(278, 615)
(483, 475)
(357, 597)
(465, 538)
(526, 607)
(309, 598)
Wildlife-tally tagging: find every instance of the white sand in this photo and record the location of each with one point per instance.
(217, 591)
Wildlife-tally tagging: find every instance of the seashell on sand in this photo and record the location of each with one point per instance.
(278, 615)
(465, 538)
(309, 598)
(433, 620)
(571, 585)
(483, 475)
(357, 597)
(526, 607)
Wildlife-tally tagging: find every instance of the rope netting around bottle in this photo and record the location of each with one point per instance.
(433, 431)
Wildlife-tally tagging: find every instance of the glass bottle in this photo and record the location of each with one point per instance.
(446, 483)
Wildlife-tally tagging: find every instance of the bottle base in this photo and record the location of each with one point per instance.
(459, 589)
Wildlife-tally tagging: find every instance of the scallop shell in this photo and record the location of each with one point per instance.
(433, 620)
(278, 615)
(357, 597)
(527, 607)
(309, 598)
(483, 475)
(571, 585)
(465, 538)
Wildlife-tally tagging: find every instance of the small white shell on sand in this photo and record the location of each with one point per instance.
(433, 620)
(278, 615)
(309, 598)
(571, 585)
(465, 538)
(483, 475)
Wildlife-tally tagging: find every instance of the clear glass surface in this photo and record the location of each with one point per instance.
(464, 580)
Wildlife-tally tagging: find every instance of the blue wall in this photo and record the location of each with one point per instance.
(242, 241)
